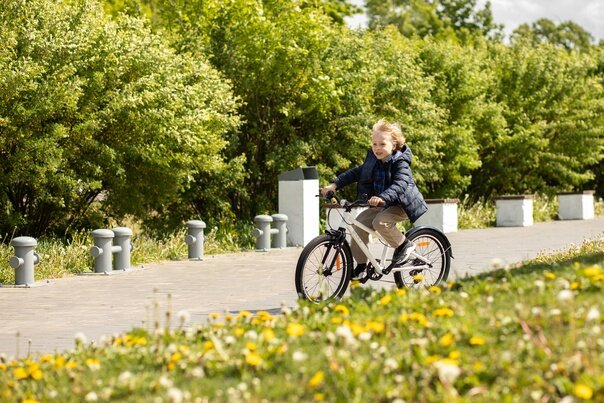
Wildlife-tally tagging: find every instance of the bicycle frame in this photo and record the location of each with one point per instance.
(351, 223)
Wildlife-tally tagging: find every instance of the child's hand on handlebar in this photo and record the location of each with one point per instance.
(376, 201)
(330, 189)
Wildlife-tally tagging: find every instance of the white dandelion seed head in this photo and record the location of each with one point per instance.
(175, 395)
(299, 356)
(91, 397)
(593, 315)
(80, 338)
(565, 296)
(183, 316)
(447, 372)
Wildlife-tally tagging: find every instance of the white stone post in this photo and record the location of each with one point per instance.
(298, 191)
(576, 206)
(514, 211)
(442, 214)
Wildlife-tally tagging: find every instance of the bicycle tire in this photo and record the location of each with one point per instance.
(431, 244)
(323, 254)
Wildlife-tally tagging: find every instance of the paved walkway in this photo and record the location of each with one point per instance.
(49, 316)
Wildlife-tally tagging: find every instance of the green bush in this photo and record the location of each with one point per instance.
(98, 109)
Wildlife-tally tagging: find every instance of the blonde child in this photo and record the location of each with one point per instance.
(385, 178)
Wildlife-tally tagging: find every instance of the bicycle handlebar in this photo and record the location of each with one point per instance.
(345, 203)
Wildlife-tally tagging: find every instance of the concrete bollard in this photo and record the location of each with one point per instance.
(121, 248)
(262, 232)
(24, 260)
(279, 231)
(195, 239)
(102, 250)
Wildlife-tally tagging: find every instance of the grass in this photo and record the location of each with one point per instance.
(533, 333)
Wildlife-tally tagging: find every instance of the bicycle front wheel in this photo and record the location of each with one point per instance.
(430, 244)
(324, 269)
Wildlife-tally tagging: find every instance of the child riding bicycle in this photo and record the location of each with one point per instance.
(385, 178)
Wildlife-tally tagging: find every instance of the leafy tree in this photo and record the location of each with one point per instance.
(92, 108)
(456, 19)
(552, 108)
(568, 34)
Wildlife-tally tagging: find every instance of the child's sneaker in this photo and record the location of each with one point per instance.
(401, 254)
(359, 272)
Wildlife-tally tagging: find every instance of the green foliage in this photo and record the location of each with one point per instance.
(567, 34)
(459, 20)
(510, 335)
(548, 116)
(92, 107)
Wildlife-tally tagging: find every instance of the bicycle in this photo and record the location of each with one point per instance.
(325, 266)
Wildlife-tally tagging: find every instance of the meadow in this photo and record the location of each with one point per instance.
(529, 333)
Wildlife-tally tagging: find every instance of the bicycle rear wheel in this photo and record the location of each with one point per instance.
(430, 244)
(324, 269)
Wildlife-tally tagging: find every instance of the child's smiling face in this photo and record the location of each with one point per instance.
(382, 145)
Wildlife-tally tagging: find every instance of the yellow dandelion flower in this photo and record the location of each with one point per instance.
(476, 341)
(316, 380)
(592, 271)
(583, 391)
(319, 397)
(256, 321)
(435, 289)
(238, 331)
(140, 341)
(549, 275)
(93, 363)
(356, 328)
(404, 318)
(175, 357)
(446, 340)
(46, 358)
(295, 329)
(341, 309)
(34, 371)
(208, 345)
(455, 354)
(375, 326)
(214, 315)
(244, 314)
(2, 366)
(401, 291)
(30, 401)
(265, 316)
(59, 362)
(418, 277)
(574, 285)
(253, 359)
(336, 320)
(250, 346)
(20, 373)
(229, 318)
(432, 359)
(448, 312)
(478, 366)
(419, 318)
(71, 365)
(385, 300)
(268, 334)
(282, 349)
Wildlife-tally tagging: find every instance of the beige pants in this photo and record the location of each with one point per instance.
(383, 220)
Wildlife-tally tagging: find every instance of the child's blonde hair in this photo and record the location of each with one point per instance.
(393, 129)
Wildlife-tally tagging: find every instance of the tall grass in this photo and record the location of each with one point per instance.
(60, 258)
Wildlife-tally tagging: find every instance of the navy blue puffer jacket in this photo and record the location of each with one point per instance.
(400, 188)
